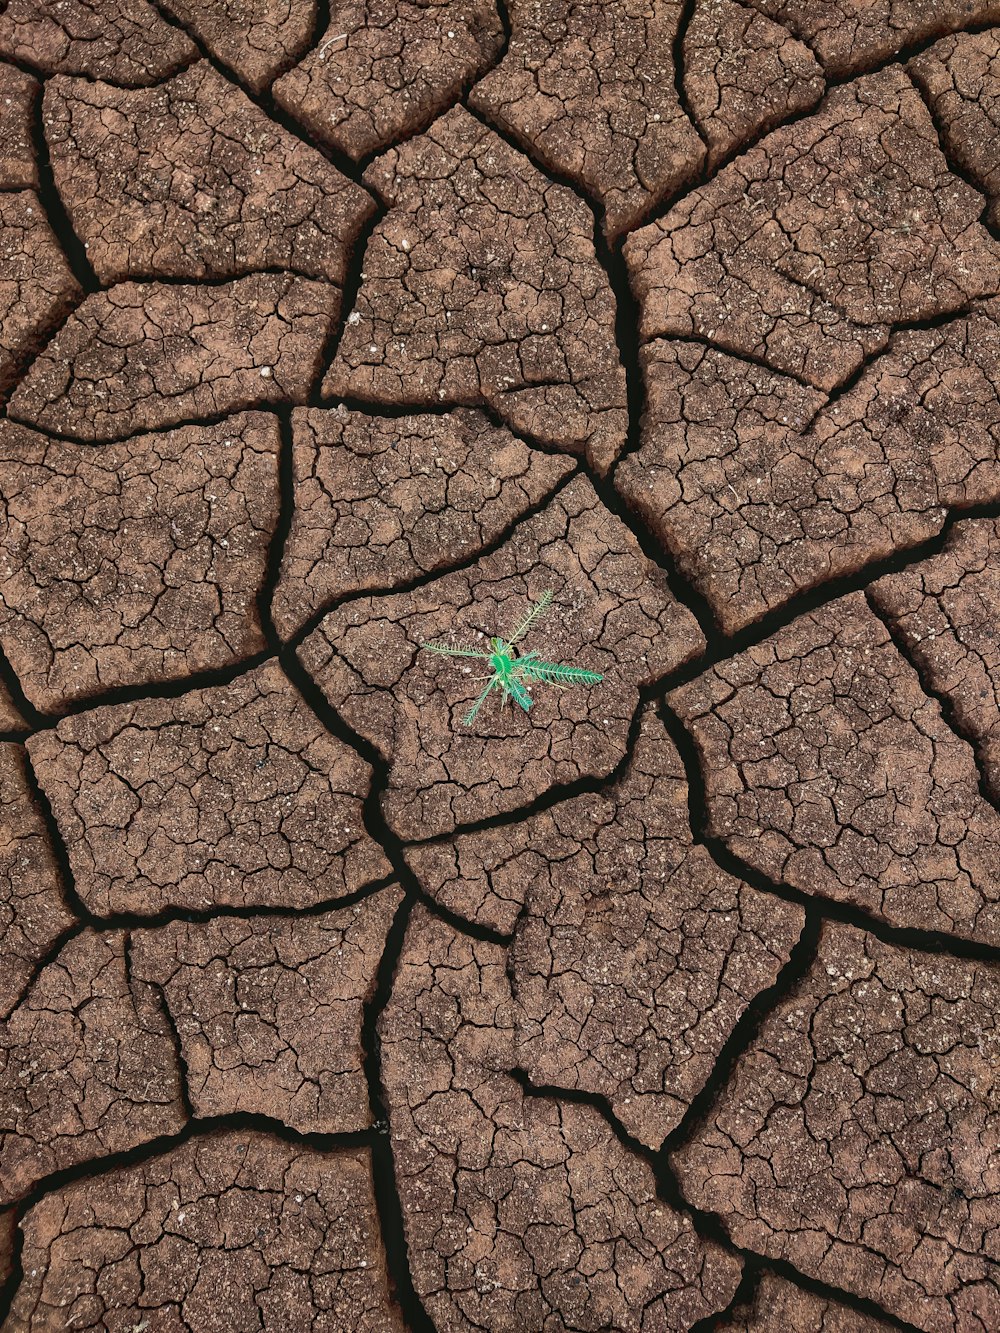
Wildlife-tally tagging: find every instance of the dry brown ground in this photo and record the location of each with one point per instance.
(330, 327)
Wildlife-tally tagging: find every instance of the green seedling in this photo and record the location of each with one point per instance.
(511, 673)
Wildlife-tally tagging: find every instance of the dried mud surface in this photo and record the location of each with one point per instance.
(331, 328)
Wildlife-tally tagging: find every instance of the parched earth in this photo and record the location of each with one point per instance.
(331, 329)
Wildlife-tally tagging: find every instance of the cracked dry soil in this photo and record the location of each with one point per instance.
(330, 327)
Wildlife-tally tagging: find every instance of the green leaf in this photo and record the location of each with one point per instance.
(517, 692)
(470, 716)
(540, 606)
(454, 650)
(554, 673)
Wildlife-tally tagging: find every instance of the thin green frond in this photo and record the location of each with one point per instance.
(537, 610)
(554, 673)
(470, 716)
(454, 650)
